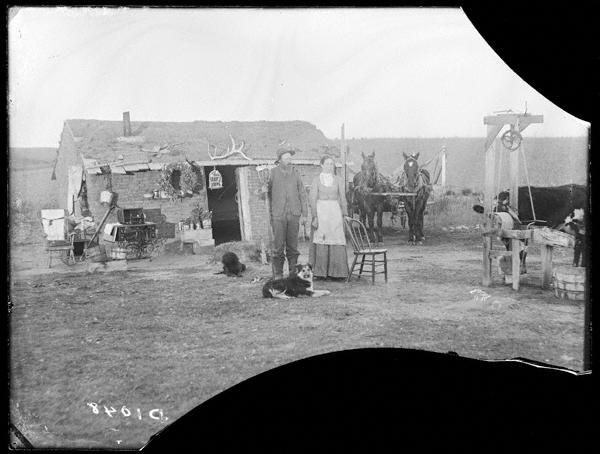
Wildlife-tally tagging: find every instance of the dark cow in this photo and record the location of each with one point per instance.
(551, 204)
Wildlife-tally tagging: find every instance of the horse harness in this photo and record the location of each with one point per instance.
(420, 183)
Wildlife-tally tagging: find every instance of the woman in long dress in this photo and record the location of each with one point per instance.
(327, 253)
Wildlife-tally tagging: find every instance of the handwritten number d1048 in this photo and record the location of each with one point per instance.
(156, 414)
(157, 411)
(109, 412)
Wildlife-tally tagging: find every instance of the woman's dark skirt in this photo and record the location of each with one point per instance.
(328, 260)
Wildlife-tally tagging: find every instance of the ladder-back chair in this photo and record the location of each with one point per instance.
(362, 247)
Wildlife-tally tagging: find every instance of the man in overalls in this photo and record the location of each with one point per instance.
(288, 203)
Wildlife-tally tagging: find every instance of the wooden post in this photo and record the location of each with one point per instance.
(344, 158)
(514, 175)
(100, 227)
(270, 229)
(486, 278)
(490, 164)
(516, 263)
(444, 168)
(546, 253)
(243, 202)
(126, 125)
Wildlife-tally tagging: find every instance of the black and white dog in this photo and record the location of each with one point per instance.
(296, 284)
(575, 225)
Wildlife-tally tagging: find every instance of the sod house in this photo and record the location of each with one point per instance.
(168, 165)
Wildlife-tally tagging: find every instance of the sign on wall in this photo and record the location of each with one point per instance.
(215, 179)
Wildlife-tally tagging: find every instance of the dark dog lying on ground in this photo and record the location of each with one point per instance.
(296, 284)
(232, 265)
(574, 224)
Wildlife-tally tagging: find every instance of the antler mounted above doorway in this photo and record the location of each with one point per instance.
(229, 151)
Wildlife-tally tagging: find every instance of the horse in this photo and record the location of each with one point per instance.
(364, 183)
(414, 180)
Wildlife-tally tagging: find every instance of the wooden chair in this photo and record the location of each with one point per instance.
(362, 247)
(63, 249)
(58, 241)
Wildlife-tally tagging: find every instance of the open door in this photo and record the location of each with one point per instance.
(224, 206)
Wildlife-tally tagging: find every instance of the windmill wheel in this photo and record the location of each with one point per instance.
(511, 140)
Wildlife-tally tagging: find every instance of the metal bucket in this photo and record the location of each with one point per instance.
(97, 254)
(569, 282)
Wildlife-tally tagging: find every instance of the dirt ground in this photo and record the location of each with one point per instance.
(168, 334)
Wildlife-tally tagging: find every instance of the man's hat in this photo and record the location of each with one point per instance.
(283, 151)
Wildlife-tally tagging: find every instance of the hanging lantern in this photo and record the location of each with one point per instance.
(215, 179)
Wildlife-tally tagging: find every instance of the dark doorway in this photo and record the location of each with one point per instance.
(222, 202)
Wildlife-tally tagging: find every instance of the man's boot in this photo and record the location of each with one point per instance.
(277, 265)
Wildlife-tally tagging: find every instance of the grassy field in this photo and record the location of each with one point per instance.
(169, 334)
(31, 190)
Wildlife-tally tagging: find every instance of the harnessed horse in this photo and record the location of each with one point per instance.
(364, 183)
(417, 181)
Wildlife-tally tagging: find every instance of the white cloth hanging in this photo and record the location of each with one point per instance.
(74, 180)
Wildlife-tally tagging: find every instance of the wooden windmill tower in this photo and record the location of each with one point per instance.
(510, 142)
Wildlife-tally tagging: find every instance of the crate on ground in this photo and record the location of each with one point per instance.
(154, 215)
(118, 253)
(130, 216)
(202, 236)
(165, 230)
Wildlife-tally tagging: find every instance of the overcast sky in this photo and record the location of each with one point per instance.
(383, 72)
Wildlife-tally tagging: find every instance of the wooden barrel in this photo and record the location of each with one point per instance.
(503, 221)
(118, 253)
(97, 254)
(569, 282)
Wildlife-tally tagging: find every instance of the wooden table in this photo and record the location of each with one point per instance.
(547, 239)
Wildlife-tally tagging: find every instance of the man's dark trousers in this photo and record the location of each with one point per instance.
(285, 230)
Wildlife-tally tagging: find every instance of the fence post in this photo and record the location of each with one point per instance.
(344, 158)
(444, 168)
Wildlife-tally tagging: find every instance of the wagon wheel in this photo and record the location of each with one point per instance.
(82, 257)
(158, 245)
(67, 258)
(133, 251)
(147, 249)
(511, 139)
